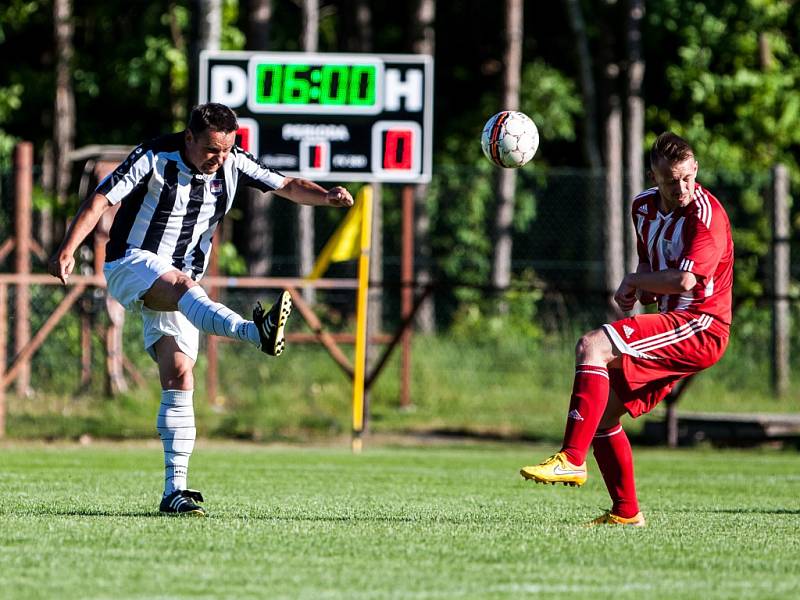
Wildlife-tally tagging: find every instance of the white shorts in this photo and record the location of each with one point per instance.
(128, 279)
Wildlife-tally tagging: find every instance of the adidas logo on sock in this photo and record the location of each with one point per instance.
(574, 414)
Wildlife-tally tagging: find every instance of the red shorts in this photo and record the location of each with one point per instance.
(658, 350)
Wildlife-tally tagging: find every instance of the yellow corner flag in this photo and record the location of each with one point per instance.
(345, 243)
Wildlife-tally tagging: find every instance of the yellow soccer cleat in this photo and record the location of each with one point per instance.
(556, 469)
(609, 518)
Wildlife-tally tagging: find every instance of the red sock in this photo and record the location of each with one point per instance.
(589, 399)
(612, 450)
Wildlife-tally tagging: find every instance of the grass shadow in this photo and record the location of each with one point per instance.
(754, 511)
(49, 512)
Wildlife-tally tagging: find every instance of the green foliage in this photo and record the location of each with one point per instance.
(232, 37)
(15, 14)
(551, 100)
(732, 89)
(488, 321)
(230, 261)
(10, 102)
(459, 210)
(461, 195)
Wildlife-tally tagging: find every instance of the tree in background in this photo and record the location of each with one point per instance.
(729, 81)
(64, 121)
(305, 214)
(258, 233)
(423, 41)
(507, 178)
(634, 127)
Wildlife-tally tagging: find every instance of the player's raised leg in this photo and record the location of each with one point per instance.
(590, 390)
(174, 290)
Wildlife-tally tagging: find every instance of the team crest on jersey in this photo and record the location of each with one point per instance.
(216, 186)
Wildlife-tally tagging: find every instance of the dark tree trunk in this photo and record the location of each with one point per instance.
(614, 232)
(591, 143)
(305, 214)
(506, 180)
(64, 122)
(258, 227)
(423, 42)
(635, 127)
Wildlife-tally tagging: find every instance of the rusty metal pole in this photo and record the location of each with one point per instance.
(115, 356)
(3, 357)
(23, 191)
(86, 350)
(407, 293)
(212, 370)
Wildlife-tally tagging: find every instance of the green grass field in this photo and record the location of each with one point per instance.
(431, 521)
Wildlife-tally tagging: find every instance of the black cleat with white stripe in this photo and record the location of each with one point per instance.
(270, 324)
(183, 502)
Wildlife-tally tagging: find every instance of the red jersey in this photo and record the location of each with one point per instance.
(694, 238)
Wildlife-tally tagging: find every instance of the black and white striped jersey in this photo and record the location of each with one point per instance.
(169, 207)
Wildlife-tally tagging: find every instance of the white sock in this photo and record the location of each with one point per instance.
(175, 425)
(215, 318)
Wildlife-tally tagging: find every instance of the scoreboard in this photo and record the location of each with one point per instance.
(329, 117)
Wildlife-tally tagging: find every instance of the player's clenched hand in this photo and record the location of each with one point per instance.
(625, 297)
(61, 266)
(338, 196)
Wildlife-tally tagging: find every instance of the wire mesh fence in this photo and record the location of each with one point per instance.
(557, 290)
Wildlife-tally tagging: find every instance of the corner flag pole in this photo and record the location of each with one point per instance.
(359, 365)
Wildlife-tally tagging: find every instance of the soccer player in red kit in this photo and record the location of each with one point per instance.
(686, 266)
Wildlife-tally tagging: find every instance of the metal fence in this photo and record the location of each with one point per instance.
(557, 261)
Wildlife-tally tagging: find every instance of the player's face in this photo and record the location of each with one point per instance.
(675, 181)
(208, 150)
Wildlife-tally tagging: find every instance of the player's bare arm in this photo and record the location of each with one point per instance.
(303, 191)
(62, 262)
(645, 296)
(668, 281)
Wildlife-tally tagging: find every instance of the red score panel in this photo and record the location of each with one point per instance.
(247, 135)
(397, 150)
(398, 146)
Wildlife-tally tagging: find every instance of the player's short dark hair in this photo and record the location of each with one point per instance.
(214, 116)
(671, 148)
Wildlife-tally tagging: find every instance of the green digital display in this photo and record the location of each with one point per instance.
(318, 85)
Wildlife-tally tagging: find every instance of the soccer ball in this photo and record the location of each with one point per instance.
(510, 139)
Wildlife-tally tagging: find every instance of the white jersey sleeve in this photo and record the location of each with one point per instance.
(253, 174)
(132, 172)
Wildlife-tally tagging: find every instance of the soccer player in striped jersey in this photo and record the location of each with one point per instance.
(173, 191)
(685, 266)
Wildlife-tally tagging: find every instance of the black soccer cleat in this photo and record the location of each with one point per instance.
(270, 324)
(183, 502)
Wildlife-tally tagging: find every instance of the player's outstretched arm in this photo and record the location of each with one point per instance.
(303, 191)
(62, 262)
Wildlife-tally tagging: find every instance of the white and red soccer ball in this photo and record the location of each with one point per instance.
(510, 139)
